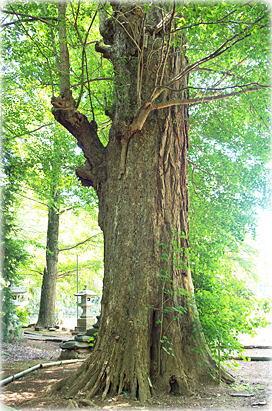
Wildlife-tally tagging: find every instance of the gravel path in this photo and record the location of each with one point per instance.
(25, 349)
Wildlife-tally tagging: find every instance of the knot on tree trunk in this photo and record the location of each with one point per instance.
(64, 109)
(174, 386)
(90, 177)
(84, 174)
(104, 50)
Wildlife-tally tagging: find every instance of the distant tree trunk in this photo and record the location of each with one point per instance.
(150, 336)
(47, 310)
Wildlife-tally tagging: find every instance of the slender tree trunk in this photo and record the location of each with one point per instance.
(150, 336)
(47, 311)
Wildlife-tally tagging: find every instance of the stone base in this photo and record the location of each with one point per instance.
(84, 353)
(82, 338)
(74, 345)
(74, 354)
(38, 328)
(83, 323)
(70, 355)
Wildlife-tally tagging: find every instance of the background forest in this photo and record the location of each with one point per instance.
(228, 172)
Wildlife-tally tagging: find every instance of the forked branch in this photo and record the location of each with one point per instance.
(144, 111)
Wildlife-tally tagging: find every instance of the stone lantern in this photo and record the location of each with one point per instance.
(18, 296)
(89, 303)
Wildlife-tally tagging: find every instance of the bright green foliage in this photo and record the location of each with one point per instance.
(14, 254)
(229, 149)
(31, 76)
(23, 315)
(75, 226)
(245, 28)
(227, 308)
(226, 305)
(92, 339)
(47, 153)
(32, 50)
(50, 156)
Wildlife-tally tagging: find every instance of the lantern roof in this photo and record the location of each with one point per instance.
(85, 291)
(17, 290)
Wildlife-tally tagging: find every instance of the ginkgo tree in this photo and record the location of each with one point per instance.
(164, 60)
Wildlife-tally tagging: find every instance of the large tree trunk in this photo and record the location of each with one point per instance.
(149, 336)
(47, 310)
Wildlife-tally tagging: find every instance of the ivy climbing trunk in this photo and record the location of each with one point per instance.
(149, 336)
(47, 309)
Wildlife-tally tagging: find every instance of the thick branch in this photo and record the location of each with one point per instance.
(86, 134)
(85, 175)
(144, 111)
(80, 243)
(134, 127)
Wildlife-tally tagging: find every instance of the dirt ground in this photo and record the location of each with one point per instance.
(32, 392)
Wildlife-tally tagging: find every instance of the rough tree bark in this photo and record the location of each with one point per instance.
(150, 336)
(47, 310)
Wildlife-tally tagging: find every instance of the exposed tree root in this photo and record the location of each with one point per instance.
(227, 377)
(111, 377)
(106, 377)
(220, 373)
(72, 404)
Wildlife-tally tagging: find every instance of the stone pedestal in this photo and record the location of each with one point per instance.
(83, 323)
(88, 300)
(82, 344)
